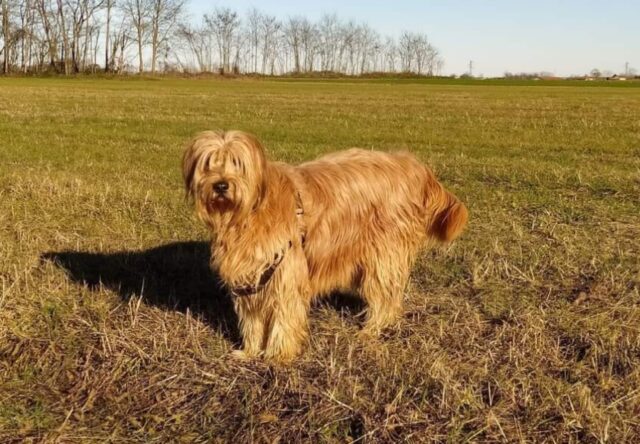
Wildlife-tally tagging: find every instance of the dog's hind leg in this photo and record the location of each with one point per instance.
(383, 289)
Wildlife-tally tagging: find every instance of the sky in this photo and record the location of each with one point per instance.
(563, 37)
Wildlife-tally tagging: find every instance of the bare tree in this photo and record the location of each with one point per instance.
(66, 47)
(224, 24)
(67, 35)
(164, 18)
(417, 55)
(309, 43)
(120, 41)
(254, 23)
(109, 4)
(405, 51)
(328, 35)
(50, 30)
(366, 43)
(138, 13)
(271, 34)
(6, 37)
(26, 33)
(199, 43)
(293, 34)
(82, 17)
(390, 55)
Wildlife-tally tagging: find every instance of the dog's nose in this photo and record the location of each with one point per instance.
(221, 187)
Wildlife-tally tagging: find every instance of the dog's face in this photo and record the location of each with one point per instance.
(224, 173)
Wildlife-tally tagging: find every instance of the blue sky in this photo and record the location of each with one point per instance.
(563, 37)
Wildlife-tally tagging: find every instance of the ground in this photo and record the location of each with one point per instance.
(526, 329)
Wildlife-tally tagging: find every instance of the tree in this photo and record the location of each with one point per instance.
(595, 72)
(6, 37)
(26, 33)
(138, 13)
(50, 29)
(62, 20)
(224, 24)
(293, 34)
(328, 34)
(254, 23)
(417, 55)
(163, 19)
(390, 54)
(107, 61)
(82, 12)
(66, 36)
(270, 34)
(120, 41)
(368, 43)
(198, 41)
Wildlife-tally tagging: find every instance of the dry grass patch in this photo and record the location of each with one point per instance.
(113, 330)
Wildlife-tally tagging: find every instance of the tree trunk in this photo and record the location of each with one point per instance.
(88, 37)
(65, 39)
(139, 30)
(6, 37)
(154, 44)
(140, 65)
(106, 41)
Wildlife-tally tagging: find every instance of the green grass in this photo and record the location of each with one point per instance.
(527, 329)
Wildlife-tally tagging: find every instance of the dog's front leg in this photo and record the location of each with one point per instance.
(253, 318)
(288, 330)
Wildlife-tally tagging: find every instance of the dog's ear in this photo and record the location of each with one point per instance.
(449, 216)
(189, 163)
(194, 150)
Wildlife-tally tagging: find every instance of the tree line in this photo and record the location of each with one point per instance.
(120, 36)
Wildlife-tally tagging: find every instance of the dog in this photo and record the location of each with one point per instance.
(282, 235)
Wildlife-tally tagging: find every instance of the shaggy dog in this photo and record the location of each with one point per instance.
(351, 221)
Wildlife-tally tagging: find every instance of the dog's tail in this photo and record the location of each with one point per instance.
(447, 215)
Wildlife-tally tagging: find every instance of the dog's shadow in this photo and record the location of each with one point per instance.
(174, 276)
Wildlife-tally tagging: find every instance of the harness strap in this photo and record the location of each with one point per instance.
(248, 290)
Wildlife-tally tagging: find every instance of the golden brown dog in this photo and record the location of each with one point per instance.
(351, 221)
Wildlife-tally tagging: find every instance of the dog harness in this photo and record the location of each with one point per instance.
(247, 290)
(265, 277)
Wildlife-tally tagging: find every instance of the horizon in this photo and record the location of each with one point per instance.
(563, 39)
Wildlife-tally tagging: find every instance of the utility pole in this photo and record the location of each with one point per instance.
(470, 68)
(626, 68)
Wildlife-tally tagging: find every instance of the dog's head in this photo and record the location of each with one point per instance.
(224, 172)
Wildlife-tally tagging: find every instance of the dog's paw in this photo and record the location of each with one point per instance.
(240, 355)
(368, 334)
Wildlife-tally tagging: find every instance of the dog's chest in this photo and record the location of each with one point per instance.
(241, 264)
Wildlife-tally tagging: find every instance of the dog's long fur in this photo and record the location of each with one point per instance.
(351, 221)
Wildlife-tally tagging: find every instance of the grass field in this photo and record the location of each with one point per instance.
(527, 329)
